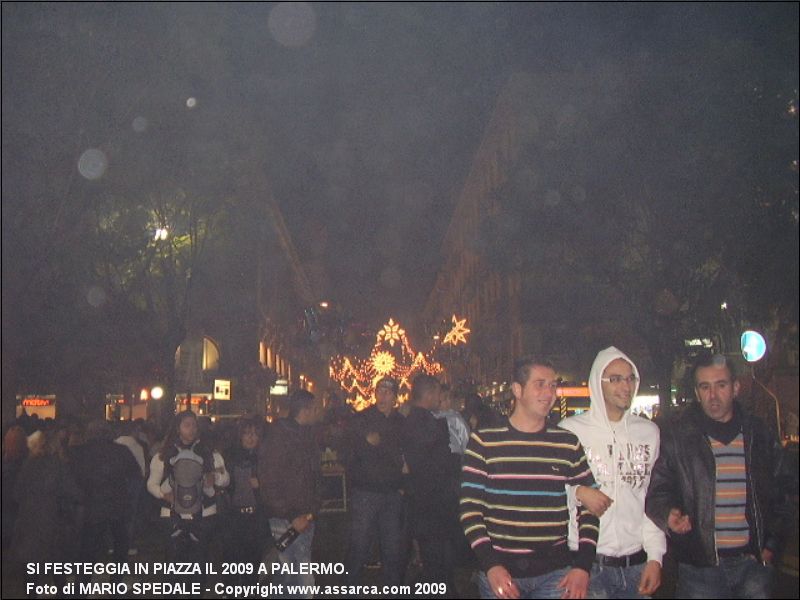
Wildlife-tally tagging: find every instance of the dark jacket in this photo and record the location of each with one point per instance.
(684, 477)
(434, 471)
(49, 520)
(377, 468)
(104, 471)
(289, 471)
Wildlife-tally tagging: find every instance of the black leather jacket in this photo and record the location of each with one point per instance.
(684, 477)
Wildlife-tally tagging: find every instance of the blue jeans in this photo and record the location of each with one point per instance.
(542, 586)
(615, 582)
(372, 515)
(734, 577)
(299, 551)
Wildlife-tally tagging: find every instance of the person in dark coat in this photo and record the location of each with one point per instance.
(105, 471)
(375, 475)
(434, 475)
(49, 502)
(15, 451)
(246, 526)
(289, 482)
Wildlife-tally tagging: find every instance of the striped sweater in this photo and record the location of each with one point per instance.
(513, 506)
(731, 527)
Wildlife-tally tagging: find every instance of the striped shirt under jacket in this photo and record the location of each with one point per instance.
(513, 505)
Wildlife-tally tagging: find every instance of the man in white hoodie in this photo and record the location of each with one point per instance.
(621, 449)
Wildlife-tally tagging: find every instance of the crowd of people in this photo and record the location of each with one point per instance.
(579, 509)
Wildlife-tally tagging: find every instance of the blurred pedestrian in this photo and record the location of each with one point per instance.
(245, 524)
(433, 479)
(50, 506)
(375, 474)
(136, 487)
(289, 482)
(15, 451)
(105, 472)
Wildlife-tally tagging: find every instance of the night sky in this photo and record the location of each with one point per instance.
(368, 115)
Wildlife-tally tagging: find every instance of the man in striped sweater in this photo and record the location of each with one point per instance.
(716, 491)
(513, 505)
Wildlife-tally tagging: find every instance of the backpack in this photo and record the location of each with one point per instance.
(186, 472)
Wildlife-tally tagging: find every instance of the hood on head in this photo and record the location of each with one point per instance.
(601, 361)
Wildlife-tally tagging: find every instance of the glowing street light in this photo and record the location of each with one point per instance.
(753, 346)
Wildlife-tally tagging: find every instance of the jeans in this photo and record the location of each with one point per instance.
(734, 577)
(541, 586)
(299, 551)
(371, 514)
(615, 582)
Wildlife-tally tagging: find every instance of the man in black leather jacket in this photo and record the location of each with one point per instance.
(716, 490)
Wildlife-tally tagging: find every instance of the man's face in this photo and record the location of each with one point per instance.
(537, 396)
(715, 390)
(618, 393)
(385, 399)
(432, 398)
(310, 414)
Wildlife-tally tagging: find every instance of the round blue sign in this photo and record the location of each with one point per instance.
(753, 346)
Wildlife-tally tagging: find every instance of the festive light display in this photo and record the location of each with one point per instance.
(392, 356)
(392, 333)
(458, 334)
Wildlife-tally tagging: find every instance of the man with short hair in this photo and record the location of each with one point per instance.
(105, 471)
(621, 449)
(375, 476)
(715, 490)
(514, 497)
(289, 481)
(433, 482)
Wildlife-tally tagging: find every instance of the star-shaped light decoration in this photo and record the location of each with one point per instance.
(358, 377)
(383, 363)
(458, 334)
(391, 332)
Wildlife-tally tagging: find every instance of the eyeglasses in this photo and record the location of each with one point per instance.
(617, 379)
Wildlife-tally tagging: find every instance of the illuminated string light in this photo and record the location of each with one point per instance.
(391, 332)
(392, 356)
(458, 334)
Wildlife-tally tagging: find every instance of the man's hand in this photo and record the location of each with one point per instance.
(373, 438)
(650, 579)
(501, 582)
(594, 500)
(169, 497)
(208, 481)
(254, 483)
(575, 583)
(767, 556)
(302, 522)
(679, 522)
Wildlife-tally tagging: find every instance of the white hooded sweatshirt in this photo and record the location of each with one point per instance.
(621, 456)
